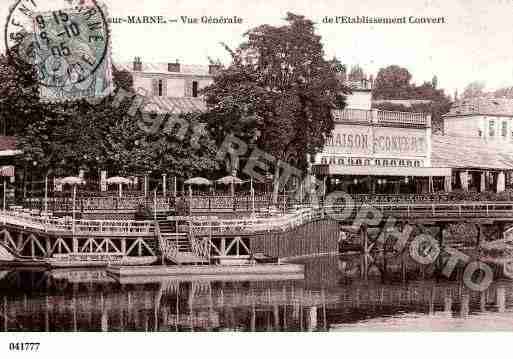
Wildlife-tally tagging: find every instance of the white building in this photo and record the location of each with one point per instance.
(488, 118)
(377, 151)
(175, 87)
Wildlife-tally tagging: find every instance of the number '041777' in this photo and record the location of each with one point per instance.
(24, 347)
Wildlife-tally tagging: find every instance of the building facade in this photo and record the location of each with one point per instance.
(487, 118)
(172, 87)
(376, 151)
(478, 144)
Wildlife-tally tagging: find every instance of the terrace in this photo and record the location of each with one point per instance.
(382, 117)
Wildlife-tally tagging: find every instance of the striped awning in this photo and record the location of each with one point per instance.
(7, 171)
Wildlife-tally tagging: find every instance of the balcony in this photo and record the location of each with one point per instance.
(382, 117)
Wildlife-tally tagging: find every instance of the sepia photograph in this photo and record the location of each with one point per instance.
(259, 166)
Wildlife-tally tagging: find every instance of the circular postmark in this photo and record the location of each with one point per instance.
(66, 41)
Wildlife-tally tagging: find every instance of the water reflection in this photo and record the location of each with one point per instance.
(335, 295)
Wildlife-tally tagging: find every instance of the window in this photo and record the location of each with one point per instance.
(161, 88)
(194, 88)
(504, 131)
(492, 128)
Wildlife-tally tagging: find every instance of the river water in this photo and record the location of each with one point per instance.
(333, 296)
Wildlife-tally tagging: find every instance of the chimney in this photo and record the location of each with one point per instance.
(173, 67)
(213, 69)
(137, 64)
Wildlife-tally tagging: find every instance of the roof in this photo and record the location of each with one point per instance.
(7, 143)
(482, 106)
(470, 152)
(176, 105)
(162, 68)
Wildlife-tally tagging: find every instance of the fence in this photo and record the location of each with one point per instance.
(65, 204)
(66, 224)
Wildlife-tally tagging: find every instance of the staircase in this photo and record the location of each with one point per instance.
(176, 247)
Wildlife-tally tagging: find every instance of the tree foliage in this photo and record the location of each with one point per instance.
(394, 83)
(19, 95)
(63, 138)
(279, 91)
(474, 89)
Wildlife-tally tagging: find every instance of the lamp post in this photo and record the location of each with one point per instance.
(46, 194)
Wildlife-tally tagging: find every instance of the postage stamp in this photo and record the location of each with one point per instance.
(69, 48)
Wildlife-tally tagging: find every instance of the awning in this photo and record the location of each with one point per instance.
(9, 153)
(325, 170)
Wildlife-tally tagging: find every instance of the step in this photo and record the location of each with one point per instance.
(188, 257)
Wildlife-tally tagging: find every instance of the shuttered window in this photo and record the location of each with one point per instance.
(159, 87)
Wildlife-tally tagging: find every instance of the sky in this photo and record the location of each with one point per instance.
(474, 44)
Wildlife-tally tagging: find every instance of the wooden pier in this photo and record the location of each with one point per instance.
(304, 231)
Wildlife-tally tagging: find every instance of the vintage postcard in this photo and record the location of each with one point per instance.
(257, 166)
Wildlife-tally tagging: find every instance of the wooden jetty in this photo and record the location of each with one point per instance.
(212, 272)
(306, 230)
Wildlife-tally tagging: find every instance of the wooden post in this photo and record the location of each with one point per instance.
(276, 315)
(73, 211)
(252, 197)
(440, 245)
(364, 240)
(155, 204)
(164, 184)
(75, 245)
(5, 188)
(6, 322)
(479, 234)
(284, 200)
(46, 194)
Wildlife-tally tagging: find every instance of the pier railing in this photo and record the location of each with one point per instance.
(208, 225)
(66, 224)
(272, 222)
(303, 215)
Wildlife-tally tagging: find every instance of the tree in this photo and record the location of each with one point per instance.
(75, 136)
(356, 74)
(474, 89)
(392, 82)
(434, 82)
(278, 92)
(19, 95)
(439, 103)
